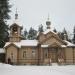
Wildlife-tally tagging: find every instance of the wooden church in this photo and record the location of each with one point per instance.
(46, 49)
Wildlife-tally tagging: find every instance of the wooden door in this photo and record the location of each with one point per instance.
(53, 55)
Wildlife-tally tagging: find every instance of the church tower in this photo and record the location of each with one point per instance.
(48, 23)
(15, 30)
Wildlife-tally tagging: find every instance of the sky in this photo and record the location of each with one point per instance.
(35, 12)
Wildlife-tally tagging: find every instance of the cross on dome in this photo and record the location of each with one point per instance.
(16, 14)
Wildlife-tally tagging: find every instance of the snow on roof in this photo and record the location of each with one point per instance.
(2, 50)
(16, 43)
(44, 46)
(69, 43)
(63, 46)
(16, 22)
(23, 43)
(29, 42)
(48, 30)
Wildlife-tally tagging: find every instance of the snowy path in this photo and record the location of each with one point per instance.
(36, 70)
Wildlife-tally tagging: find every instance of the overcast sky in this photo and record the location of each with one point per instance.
(35, 12)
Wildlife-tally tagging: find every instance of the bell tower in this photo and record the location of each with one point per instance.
(48, 23)
(15, 31)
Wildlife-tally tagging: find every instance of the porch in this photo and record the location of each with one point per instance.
(53, 55)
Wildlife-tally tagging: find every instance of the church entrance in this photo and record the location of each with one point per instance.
(50, 55)
(9, 61)
(53, 54)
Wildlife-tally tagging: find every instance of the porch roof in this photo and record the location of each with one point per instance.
(69, 44)
(46, 46)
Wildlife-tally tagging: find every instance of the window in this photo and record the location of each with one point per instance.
(46, 53)
(15, 28)
(12, 55)
(24, 54)
(33, 52)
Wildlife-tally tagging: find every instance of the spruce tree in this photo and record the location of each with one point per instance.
(40, 29)
(32, 34)
(25, 34)
(4, 16)
(63, 35)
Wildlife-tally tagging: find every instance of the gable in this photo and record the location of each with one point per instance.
(15, 24)
(55, 44)
(11, 45)
(47, 34)
(11, 52)
(53, 40)
(48, 37)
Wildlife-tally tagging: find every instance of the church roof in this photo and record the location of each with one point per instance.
(15, 43)
(45, 46)
(69, 44)
(23, 43)
(46, 31)
(29, 42)
(17, 22)
(49, 30)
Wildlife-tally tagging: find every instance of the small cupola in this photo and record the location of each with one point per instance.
(48, 23)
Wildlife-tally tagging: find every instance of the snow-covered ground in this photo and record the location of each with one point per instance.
(6, 69)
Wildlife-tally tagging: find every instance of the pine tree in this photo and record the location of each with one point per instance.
(25, 34)
(73, 35)
(63, 35)
(40, 29)
(32, 34)
(4, 9)
(4, 16)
